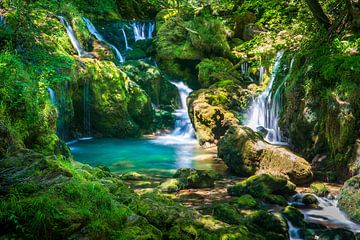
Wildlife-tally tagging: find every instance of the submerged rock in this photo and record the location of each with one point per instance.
(246, 154)
(349, 199)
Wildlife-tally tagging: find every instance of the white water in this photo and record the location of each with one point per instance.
(183, 132)
(126, 41)
(327, 214)
(143, 30)
(74, 41)
(262, 74)
(52, 95)
(92, 29)
(264, 110)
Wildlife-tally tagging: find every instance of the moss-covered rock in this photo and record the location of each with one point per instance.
(349, 199)
(260, 186)
(172, 185)
(212, 111)
(197, 178)
(338, 234)
(133, 176)
(227, 213)
(319, 189)
(246, 153)
(293, 215)
(310, 200)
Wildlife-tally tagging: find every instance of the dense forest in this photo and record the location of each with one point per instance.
(180, 119)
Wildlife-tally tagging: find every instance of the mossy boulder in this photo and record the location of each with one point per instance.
(260, 186)
(212, 111)
(245, 153)
(349, 199)
(133, 176)
(197, 178)
(172, 185)
(293, 215)
(319, 189)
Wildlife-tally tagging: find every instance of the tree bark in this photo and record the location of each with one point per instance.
(318, 12)
(354, 12)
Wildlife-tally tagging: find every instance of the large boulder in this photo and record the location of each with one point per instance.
(245, 153)
(349, 200)
(197, 178)
(212, 111)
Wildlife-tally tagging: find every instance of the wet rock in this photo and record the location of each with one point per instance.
(319, 189)
(294, 216)
(310, 200)
(260, 186)
(349, 199)
(197, 178)
(245, 153)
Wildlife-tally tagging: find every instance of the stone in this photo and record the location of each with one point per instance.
(245, 153)
(349, 198)
(310, 200)
(319, 189)
(197, 178)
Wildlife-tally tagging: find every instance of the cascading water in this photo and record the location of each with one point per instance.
(92, 29)
(52, 95)
(143, 30)
(126, 41)
(2, 20)
(264, 110)
(261, 74)
(183, 126)
(74, 41)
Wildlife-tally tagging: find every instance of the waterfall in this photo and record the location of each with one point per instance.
(151, 29)
(98, 36)
(2, 20)
(139, 29)
(86, 106)
(125, 39)
(183, 126)
(261, 75)
(70, 32)
(264, 109)
(52, 95)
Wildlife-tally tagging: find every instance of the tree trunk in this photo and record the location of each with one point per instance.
(318, 12)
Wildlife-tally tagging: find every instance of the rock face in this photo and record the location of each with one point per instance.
(246, 154)
(212, 111)
(349, 200)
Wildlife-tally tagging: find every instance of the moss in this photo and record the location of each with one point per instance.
(260, 186)
(349, 198)
(246, 201)
(133, 176)
(227, 213)
(294, 216)
(319, 189)
(197, 178)
(172, 185)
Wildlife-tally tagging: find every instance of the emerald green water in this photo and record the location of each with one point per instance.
(153, 157)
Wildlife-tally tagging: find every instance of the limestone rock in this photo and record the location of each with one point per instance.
(246, 154)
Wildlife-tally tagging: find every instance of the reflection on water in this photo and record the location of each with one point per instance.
(161, 156)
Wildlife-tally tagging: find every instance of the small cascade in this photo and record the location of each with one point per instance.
(183, 126)
(74, 41)
(86, 109)
(126, 40)
(327, 213)
(262, 74)
(294, 232)
(52, 95)
(143, 30)
(92, 29)
(264, 109)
